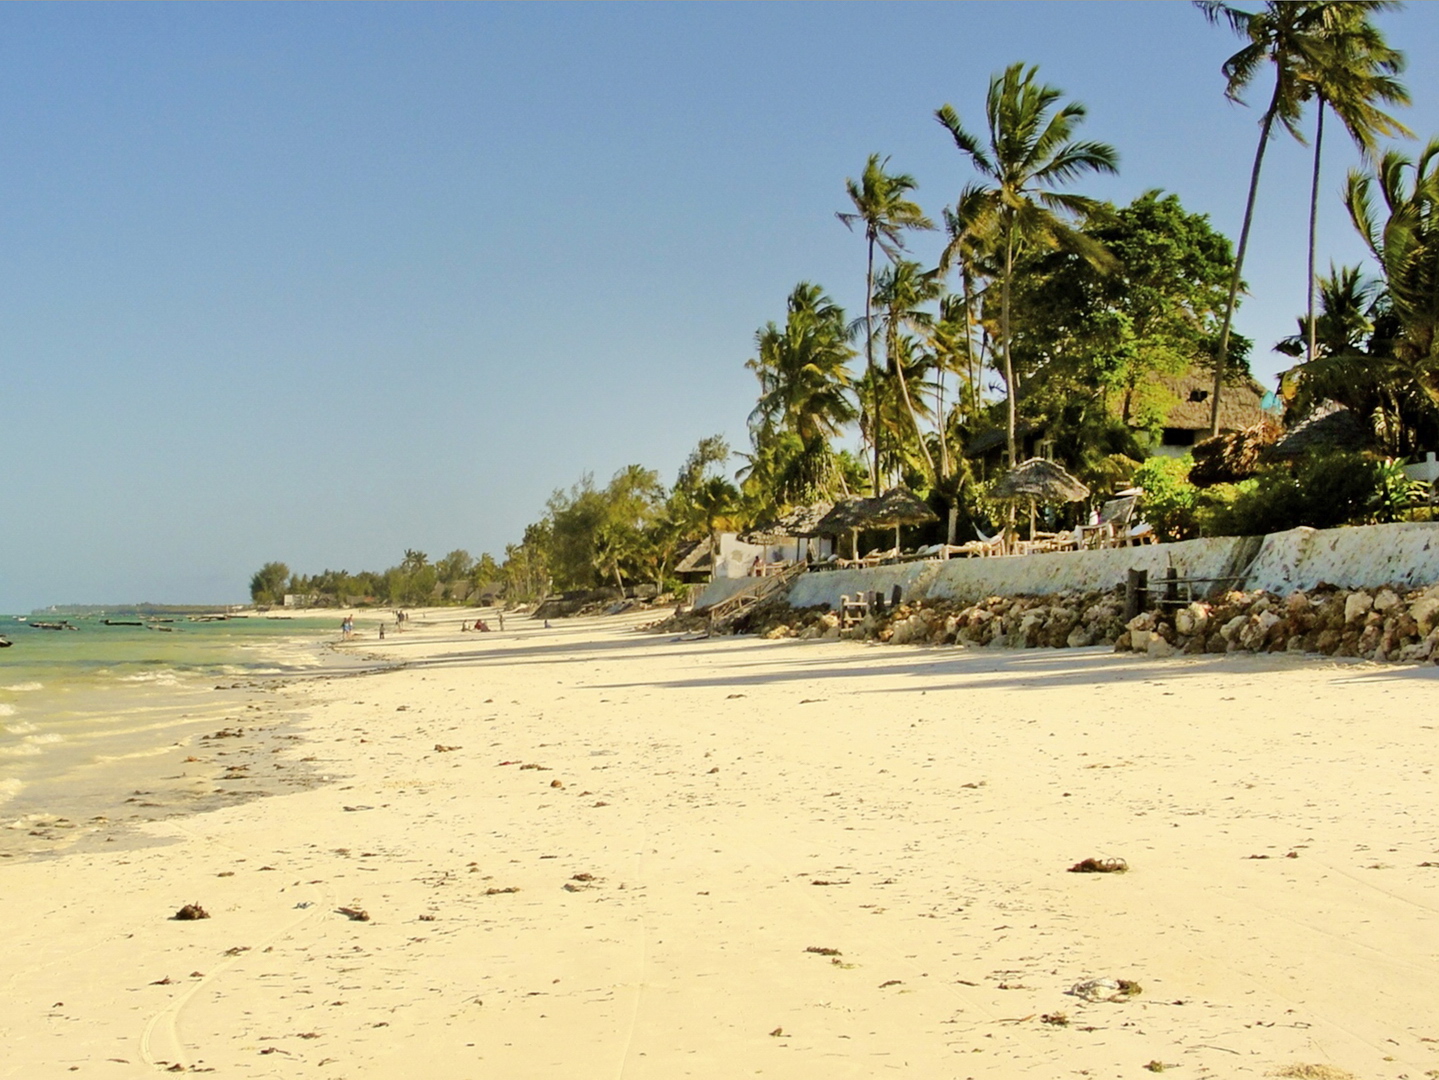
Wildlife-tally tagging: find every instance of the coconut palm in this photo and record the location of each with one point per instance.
(1403, 360)
(902, 290)
(805, 384)
(881, 206)
(1351, 70)
(1027, 153)
(1288, 35)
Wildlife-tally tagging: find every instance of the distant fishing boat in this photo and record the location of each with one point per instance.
(123, 622)
(5, 642)
(52, 626)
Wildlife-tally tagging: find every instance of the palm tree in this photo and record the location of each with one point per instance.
(1288, 35)
(881, 207)
(901, 291)
(805, 385)
(1028, 151)
(1405, 363)
(1351, 70)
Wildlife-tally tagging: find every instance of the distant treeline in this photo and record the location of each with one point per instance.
(458, 578)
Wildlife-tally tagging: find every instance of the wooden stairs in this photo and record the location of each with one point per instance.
(727, 611)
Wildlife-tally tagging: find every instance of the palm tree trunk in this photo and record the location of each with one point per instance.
(1222, 357)
(1008, 367)
(969, 346)
(869, 361)
(908, 405)
(1311, 334)
(939, 424)
(1004, 343)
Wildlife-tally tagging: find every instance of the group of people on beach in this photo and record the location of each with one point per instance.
(347, 628)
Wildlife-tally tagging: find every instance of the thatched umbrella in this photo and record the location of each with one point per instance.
(1039, 481)
(848, 515)
(900, 506)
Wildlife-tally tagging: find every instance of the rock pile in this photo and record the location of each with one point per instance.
(1383, 625)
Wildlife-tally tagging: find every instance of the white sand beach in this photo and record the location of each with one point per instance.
(592, 852)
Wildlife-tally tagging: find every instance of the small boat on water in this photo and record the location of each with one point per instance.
(123, 622)
(5, 642)
(52, 626)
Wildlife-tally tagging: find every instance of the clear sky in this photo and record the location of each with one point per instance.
(319, 283)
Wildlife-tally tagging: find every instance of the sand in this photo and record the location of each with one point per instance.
(592, 852)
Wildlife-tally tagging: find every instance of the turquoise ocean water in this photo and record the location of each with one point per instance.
(75, 705)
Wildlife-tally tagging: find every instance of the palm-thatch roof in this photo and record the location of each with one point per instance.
(1040, 480)
(1330, 426)
(1241, 405)
(1233, 455)
(851, 512)
(898, 506)
(798, 521)
(696, 557)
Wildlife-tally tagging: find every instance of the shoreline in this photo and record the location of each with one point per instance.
(178, 770)
(590, 848)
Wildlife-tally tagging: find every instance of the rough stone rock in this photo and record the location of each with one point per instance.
(1143, 621)
(1080, 637)
(1357, 605)
(1139, 639)
(1232, 627)
(1158, 648)
(1425, 610)
(1193, 619)
(1385, 599)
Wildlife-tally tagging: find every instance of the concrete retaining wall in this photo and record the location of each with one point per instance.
(1361, 557)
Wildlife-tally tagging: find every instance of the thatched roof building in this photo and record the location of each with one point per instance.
(1328, 426)
(1234, 455)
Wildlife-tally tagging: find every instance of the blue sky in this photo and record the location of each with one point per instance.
(320, 283)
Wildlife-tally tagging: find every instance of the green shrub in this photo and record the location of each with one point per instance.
(1322, 490)
(1171, 503)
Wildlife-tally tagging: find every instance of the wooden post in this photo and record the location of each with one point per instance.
(1171, 587)
(1136, 593)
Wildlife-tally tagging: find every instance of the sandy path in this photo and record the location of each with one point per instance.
(705, 812)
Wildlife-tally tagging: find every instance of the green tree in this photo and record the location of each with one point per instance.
(884, 211)
(1027, 153)
(267, 586)
(1377, 346)
(805, 386)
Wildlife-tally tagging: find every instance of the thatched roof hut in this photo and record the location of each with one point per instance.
(1328, 426)
(1234, 455)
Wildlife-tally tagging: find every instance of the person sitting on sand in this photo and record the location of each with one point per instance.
(481, 625)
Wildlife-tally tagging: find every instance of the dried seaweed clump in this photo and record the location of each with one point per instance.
(190, 911)
(1099, 866)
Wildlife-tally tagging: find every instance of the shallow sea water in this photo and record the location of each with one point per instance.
(77, 705)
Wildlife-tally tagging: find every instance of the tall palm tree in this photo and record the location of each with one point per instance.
(1285, 34)
(1351, 70)
(881, 206)
(1027, 153)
